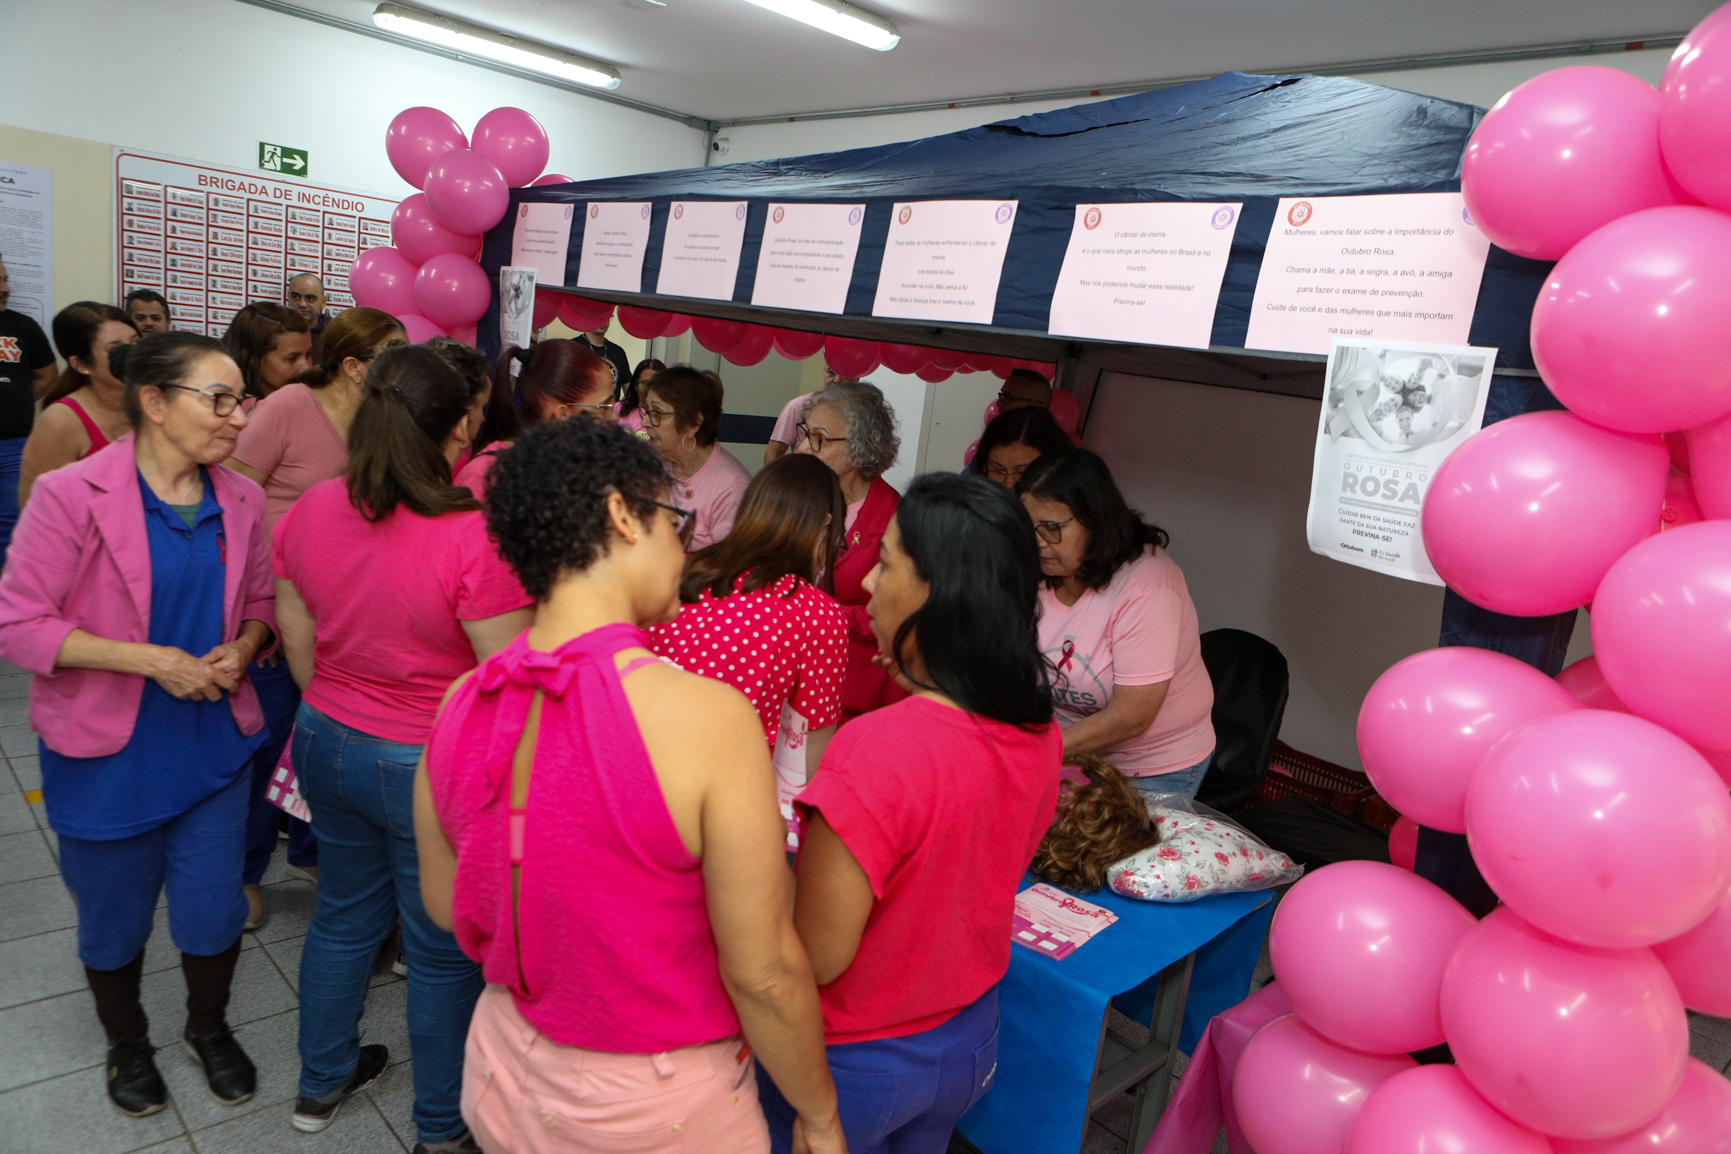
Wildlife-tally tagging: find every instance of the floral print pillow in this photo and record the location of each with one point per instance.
(1199, 856)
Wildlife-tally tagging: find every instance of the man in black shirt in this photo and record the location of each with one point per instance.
(26, 371)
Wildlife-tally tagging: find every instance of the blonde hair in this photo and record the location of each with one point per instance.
(1098, 823)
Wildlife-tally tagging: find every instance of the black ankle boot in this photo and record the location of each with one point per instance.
(228, 1072)
(134, 1083)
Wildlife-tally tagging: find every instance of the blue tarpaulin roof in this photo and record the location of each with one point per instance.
(1234, 137)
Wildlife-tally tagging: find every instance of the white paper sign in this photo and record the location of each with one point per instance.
(700, 254)
(1403, 267)
(943, 258)
(541, 240)
(27, 237)
(516, 305)
(807, 257)
(1148, 273)
(1391, 413)
(615, 236)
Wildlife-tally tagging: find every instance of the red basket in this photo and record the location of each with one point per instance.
(1295, 774)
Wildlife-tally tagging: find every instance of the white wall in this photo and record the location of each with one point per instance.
(210, 79)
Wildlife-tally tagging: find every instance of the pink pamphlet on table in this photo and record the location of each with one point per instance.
(1054, 923)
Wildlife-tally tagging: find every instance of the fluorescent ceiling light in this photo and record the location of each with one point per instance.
(839, 18)
(474, 40)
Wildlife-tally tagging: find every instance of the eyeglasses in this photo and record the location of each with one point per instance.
(1005, 476)
(684, 521)
(1012, 399)
(652, 418)
(813, 437)
(1052, 532)
(223, 404)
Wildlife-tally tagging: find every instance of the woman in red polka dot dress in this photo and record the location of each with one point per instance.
(758, 614)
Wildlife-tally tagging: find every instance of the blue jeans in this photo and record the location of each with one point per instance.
(11, 468)
(280, 698)
(116, 883)
(361, 792)
(902, 1095)
(1182, 781)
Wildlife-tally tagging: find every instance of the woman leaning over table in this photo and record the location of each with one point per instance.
(138, 592)
(1117, 622)
(387, 590)
(599, 829)
(922, 819)
(852, 429)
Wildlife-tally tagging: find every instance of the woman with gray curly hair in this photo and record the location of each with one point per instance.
(852, 429)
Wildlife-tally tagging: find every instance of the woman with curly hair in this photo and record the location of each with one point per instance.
(852, 429)
(573, 783)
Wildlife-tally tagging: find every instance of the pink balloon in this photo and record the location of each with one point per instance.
(798, 346)
(1065, 411)
(383, 279)
(1403, 843)
(851, 358)
(419, 136)
(1678, 443)
(1296, 1092)
(1710, 467)
(464, 333)
(752, 347)
(1680, 507)
(948, 359)
(715, 334)
(1430, 718)
(901, 358)
(583, 315)
(1662, 631)
(1433, 1110)
(1699, 961)
(466, 192)
(1531, 1020)
(552, 178)
(1527, 515)
(1697, 1120)
(546, 308)
(453, 291)
(515, 142)
(420, 238)
(419, 329)
(1360, 948)
(932, 373)
(1695, 111)
(1601, 828)
(644, 324)
(679, 325)
(1586, 683)
(1569, 129)
(1626, 329)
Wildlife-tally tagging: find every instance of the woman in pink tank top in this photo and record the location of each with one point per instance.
(81, 413)
(600, 831)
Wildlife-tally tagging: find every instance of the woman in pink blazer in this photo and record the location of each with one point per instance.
(137, 590)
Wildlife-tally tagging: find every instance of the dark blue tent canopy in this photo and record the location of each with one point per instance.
(1234, 137)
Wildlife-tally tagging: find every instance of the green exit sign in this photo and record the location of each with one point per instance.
(282, 158)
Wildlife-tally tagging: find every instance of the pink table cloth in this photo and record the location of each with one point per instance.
(1202, 1103)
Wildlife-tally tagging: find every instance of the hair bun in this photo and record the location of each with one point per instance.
(118, 357)
(522, 355)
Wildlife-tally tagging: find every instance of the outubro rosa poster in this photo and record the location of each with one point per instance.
(1392, 412)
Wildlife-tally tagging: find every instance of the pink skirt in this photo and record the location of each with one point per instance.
(526, 1094)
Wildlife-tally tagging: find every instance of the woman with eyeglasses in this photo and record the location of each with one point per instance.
(1117, 623)
(757, 613)
(681, 419)
(599, 829)
(553, 380)
(1013, 441)
(852, 429)
(138, 592)
(388, 589)
(919, 823)
(629, 403)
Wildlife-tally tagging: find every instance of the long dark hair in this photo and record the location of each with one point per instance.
(412, 401)
(553, 372)
(157, 360)
(780, 529)
(252, 335)
(353, 333)
(629, 399)
(977, 633)
(1032, 426)
(75, 329)
(1117, 534)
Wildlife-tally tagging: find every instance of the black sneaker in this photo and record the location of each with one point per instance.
(229, 1074)
(464, 1143)
(134, 1083)
(314, 1114)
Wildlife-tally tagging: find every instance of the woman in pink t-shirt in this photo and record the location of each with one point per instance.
(681, 418)
(922, 819)
(388, 589)
(758, 614)
(553, 380)
(1118, 625)
(598, 828)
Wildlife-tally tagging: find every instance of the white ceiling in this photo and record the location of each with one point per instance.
(721, 59)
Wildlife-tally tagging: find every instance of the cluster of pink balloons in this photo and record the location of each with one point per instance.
(428, 277)
(1595, 804)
